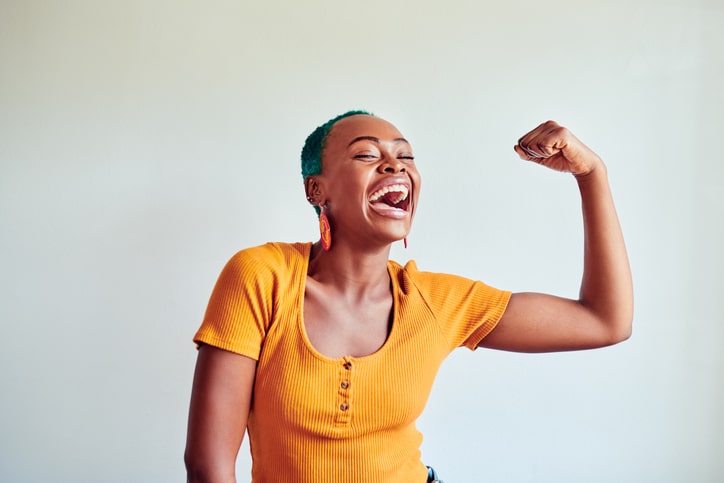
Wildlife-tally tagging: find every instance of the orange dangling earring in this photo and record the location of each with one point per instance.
(325, 232)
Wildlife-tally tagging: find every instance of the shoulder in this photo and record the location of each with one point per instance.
(265, 263)
(272, 256)
(465, 309)
(445, 290)
(411, 276)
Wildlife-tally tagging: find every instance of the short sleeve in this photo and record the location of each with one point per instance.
(466, 310)
(242, 304)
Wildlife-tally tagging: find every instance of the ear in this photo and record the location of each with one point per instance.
(314, 191)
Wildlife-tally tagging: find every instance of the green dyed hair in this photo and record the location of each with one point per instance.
(314, 145)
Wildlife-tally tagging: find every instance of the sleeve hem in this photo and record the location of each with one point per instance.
(485, 329)
(248, 351)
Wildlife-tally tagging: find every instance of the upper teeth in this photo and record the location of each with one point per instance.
(396, 188)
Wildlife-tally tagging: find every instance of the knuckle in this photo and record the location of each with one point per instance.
(562, 132)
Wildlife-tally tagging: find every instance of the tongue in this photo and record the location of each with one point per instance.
(390, 198)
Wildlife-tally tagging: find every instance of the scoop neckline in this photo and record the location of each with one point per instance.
(302, 329)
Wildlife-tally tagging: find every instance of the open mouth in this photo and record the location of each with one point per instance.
(394, 197)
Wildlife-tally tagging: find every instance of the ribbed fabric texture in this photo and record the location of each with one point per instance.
(322, 420)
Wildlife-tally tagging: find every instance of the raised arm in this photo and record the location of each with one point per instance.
(220, 402)
(603, 313)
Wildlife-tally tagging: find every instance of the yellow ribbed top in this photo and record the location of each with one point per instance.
(323, 420)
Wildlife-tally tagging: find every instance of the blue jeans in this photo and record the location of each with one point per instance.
(432, 476)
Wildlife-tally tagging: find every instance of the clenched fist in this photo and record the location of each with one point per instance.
(555, 147)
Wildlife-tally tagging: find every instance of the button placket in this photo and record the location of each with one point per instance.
(344, 392)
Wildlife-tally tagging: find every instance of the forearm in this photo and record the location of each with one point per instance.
(201, 475)
(207, 458)
(606, 288)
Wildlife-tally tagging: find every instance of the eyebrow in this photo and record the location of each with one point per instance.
(376, 140)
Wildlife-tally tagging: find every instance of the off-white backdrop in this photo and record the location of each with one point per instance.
(143, 142)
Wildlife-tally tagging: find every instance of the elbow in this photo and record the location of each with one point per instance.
(614, 323)
(622, 335)
(194, 471)
(620, 330)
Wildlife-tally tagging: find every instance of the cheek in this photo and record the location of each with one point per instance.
(350, 189)
(416, 180)
(417, 188)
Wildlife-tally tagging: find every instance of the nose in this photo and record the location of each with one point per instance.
(391, 165)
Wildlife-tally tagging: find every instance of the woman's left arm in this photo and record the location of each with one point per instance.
(603, 313)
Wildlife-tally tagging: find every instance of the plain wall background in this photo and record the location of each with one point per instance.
(142, 143)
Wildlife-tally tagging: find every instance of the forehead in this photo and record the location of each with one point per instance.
(349, 128)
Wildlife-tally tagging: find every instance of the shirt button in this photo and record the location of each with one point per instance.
(344, 385)
(344, 406)
(348, 365)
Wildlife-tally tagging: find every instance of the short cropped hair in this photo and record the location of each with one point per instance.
(314, 145)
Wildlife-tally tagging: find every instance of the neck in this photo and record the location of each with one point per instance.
(348, 269)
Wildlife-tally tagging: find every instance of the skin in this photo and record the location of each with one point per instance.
(347, 303)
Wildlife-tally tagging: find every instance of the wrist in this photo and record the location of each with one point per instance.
(597, 170)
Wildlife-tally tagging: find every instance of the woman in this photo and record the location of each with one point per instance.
(326, 352)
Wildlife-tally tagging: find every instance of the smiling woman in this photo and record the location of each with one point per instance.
(368, 182)
(326, 352)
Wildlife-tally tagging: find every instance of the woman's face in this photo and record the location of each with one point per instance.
(369, 181)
